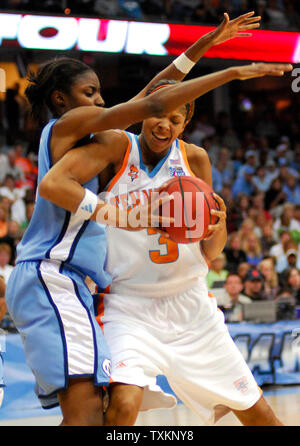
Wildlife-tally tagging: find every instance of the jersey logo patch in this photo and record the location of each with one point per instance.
(133, 172)
(106, 366)
(241, 384)
(176, 171)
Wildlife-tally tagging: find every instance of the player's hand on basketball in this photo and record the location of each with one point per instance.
(262, 69)
(238, 27)
(221, 214)
(147, 215)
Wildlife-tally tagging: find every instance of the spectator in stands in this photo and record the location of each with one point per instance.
(289, 259)
(275, 197)
(271, 283)
(232, 300)
(245, 228)
(15, 195)
(217, 272)
(243, 270)
(3, 221)
(243, 184)
(277, 250)
(252, 248)
(13, 108)
(292, 190)
(12, 238)
(258, 203)
(253, 285)
(9, 167)
(286, 221)
(261, 179)
(234, 254)
(272, 171)
(29, 212)
(295, 163)
(277, 17)
(250, 157)
(107, 8)
(238, 212)
(267, 239)
(292, 280)
(224, 165)
(5, 267)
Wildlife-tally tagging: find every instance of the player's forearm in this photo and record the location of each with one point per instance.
(69, 194)
(213, 247)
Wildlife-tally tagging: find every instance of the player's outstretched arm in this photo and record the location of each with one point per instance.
(228, 29)
(82, 121)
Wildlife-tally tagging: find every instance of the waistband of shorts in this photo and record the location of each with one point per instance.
(154, 291)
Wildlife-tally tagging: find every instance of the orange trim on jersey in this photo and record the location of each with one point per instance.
(100, 307)
(183, 153)
(211, 295)
(123, 167)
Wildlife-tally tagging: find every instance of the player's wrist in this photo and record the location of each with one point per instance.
(87, 206)
(183, 63)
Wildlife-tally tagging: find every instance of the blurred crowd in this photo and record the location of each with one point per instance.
(276, 14)
(255, 157)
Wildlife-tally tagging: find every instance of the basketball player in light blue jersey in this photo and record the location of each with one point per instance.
(46, 295)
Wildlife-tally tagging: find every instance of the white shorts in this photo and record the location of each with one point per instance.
(184, 338)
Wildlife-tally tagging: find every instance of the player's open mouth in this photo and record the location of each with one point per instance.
(160, 138)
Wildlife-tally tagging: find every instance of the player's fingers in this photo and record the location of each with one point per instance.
(251, 26)
(158, 220)
(162, 232)
(220, 202)
(161, 200)
(220, 214)
(252, 19)
(244, 35)
(243, 17)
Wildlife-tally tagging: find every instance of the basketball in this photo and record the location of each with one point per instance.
(193, 201)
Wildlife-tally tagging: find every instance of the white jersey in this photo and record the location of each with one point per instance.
(145, 263)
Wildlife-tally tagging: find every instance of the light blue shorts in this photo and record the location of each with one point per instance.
(53, 311)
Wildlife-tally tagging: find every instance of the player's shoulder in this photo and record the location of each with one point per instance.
(194, 152)
(115, 140)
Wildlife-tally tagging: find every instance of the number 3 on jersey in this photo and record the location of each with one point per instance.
(172, 250)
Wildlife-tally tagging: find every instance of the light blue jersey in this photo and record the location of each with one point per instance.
(48, 298)
(54, 233)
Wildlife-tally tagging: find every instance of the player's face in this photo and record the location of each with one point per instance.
(85, 90)
(159, 133)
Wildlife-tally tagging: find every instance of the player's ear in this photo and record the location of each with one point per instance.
(58, 99)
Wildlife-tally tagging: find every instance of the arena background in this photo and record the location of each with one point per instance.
(257, 119)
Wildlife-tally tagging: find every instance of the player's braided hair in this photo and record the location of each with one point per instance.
(58, 74)
(190, 106)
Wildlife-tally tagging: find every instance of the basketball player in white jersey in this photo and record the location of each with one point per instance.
(170, 308)
(158, 315)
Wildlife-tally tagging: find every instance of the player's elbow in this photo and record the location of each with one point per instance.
(47, 187)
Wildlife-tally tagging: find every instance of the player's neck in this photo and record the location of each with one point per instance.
(150, 158)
